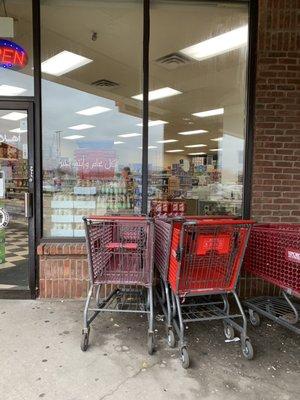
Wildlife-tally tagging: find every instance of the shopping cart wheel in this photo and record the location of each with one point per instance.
(84, 341)
(254, 318)
(150, 344)
(228, 331)
(185, 359)
(247, 349)
(171, 338)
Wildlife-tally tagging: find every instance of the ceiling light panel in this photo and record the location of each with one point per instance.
(218, 45)
(129, 135)
(197, 154)
(154, 123)
(195, 132)
(218, 139)
(18, 130)
(167, 141)
(215, 150)
(158, 94)
(14, 116)
(195, 145)
(7, 90)
(174, 151)
(81, 127)
(73, 137)
(93, 110)
(118, 142)
(209, 113)
(63, 63)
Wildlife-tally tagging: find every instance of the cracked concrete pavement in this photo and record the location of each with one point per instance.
(41, 358)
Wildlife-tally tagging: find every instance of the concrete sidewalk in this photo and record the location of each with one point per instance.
(41, 358)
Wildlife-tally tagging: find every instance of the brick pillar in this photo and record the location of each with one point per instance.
(276, 163)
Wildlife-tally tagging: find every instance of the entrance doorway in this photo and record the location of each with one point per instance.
(17, 244)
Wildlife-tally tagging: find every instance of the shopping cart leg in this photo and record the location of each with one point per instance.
(228, 329)
(98, 295)
(86, 327)
(184, 355)
(173, 305)
(170, 333)
(150, 342)
(247, 348)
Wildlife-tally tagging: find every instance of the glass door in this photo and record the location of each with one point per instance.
(15, 200)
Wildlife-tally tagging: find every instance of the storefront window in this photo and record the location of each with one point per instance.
(92, 127)
(16, 48)
(198, 59)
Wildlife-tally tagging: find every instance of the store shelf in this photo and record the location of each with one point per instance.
(88, 204)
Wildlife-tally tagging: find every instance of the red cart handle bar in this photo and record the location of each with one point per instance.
(116, 218)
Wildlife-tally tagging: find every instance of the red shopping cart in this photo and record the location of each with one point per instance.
(273, 255)
(120, 254)
(203, 258)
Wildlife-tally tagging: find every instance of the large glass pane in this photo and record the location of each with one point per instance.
(16, 49)
(198, 59)
(92, 128)
(13, 190)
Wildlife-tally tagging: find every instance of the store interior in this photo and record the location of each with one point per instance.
(92, 113)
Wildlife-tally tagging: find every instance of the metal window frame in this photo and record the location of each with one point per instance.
(36, 101)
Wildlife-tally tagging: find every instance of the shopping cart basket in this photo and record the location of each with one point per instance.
(120, 255)
(273, 255)
(199, 259)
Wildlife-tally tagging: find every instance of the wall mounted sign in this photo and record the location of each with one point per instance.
(12, 55)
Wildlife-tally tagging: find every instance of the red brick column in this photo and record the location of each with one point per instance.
(63, 270)
(276, 164)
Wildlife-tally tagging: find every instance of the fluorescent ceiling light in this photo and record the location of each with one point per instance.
(215, 149)
(118, 142)
(155, 123)
(218, 45)
(150, 147)
(93, 110)
(7, 90)
(130, 135)
(195, 145)
(14, 116)
(63, 62)
(18, 130)
(73, 137)
(196, 154)
(174, 151)
(167, 141)
(81, 127)
(158, 94)
(209, 113)
(195, 132)
(218, 139)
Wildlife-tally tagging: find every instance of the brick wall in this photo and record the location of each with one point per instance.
(276, 164)
(63, 270)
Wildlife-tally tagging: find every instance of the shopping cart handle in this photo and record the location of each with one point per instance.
(115, 218)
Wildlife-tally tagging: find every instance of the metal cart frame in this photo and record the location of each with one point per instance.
(120, 259)
(194, 305)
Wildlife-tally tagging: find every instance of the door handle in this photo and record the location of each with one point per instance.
(27, 205)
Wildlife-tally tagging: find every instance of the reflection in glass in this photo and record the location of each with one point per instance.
(197, 155)
(92, 128)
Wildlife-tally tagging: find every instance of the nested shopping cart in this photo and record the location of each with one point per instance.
(199, 262)
(273, 255)
(120, 257)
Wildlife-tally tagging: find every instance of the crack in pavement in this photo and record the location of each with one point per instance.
(113, 391)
